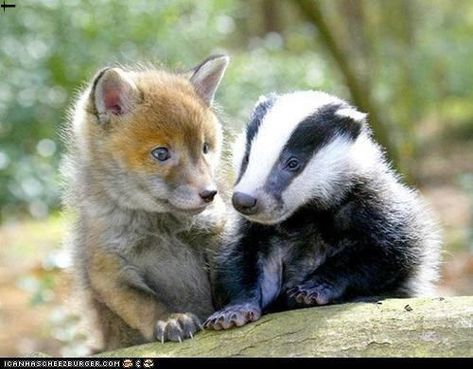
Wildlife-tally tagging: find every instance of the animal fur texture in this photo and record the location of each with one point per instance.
(322, 216)
(144, 145)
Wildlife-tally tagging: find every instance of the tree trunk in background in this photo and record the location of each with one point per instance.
(261, 18)
(271, 16)
(359, 90)
(407, 108)
(356, 40)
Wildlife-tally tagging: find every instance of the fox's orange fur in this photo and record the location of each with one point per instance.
(144, 229)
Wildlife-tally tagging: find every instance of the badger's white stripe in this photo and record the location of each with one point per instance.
(288, 111)
(238, 151)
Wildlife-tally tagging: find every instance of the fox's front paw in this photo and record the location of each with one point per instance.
(177, 327)
(233, 316)
(310, 293)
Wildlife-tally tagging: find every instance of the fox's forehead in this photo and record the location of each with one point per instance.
(155, 83)
(171, 107)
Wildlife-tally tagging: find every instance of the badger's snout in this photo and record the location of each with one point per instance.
(244, 203)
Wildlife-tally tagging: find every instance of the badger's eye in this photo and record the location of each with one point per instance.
(293, 165)
(205, 149)
(161, 154)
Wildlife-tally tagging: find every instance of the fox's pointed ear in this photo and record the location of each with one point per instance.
(114, 93)
(207, 76)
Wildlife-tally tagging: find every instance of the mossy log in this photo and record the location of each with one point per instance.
(420, 327)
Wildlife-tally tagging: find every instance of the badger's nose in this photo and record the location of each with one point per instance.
(208, 195)
(244, 203)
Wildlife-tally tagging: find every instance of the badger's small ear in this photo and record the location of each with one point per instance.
(261, 100)
(207, 76)
(353, 114)
(353, 121)
(114, 93)
(266, 99)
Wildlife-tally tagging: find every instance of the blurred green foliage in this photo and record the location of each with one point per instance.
(414, 57)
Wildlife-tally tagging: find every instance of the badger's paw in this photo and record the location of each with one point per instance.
(233, 316)
(310, 294)
(177, 327)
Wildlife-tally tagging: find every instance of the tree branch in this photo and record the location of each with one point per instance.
(390, 328)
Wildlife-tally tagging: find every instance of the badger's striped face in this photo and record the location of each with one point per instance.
(295, 150)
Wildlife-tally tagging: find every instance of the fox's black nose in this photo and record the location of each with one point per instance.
(244, 203)
(208, 195)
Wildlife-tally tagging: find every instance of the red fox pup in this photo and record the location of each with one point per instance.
(143, 149)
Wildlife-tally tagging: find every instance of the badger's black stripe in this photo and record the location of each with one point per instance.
(252, 128)
(313, 133)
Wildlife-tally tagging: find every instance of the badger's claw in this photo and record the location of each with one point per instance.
(233, 316)
(310, 294)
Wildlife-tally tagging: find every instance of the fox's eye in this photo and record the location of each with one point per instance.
(205, 149)
(161, 154)
(293, 165)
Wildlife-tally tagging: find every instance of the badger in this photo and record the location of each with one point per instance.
(322, 217)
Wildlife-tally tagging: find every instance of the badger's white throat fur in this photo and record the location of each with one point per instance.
(327, 171)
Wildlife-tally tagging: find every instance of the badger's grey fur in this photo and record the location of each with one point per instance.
(325, 218)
